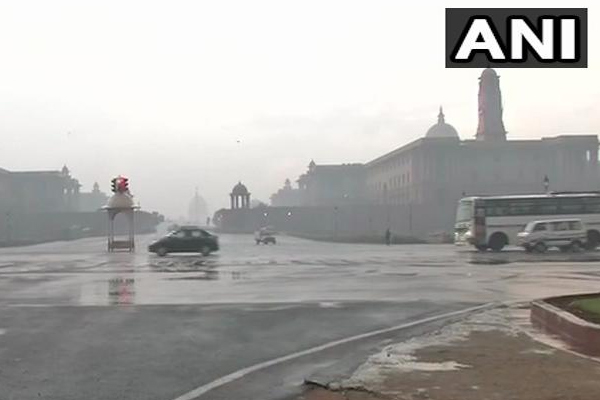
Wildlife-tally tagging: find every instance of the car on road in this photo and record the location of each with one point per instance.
(265, 235)
(566, 234)
(186, 239)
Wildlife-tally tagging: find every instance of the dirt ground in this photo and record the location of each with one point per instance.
(497, 366)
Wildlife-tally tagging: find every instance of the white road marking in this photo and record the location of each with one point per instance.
(199, 391)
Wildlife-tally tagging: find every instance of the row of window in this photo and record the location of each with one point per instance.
(558, 226)
(400, 180)
(497, 208)
(395, 182)
(397, 163)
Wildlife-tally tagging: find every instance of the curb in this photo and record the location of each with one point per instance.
(581, 335)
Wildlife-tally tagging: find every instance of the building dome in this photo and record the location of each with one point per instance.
(442, 129)
(120, 200)
(239, 189)
(198, 209)
(488, 73)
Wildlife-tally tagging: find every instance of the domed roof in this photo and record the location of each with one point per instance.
(198, 208)
(120, 200)
(442, 129)
(239, 189)
(198, 203)
(488, 72)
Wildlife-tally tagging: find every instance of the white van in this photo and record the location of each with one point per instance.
(566, 234)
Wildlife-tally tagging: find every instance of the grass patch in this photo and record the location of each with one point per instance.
(590, 306)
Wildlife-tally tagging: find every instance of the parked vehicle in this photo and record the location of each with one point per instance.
(493, 222)
(566, 234)
(186, 239)
(265, 236)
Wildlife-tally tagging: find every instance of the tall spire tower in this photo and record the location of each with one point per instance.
(490, 127)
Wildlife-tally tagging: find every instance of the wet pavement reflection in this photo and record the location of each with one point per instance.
(121, 291)
(78, 320)
(294, 270)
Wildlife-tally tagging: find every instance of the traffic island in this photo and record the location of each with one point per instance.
(483, 357)
(574, 319)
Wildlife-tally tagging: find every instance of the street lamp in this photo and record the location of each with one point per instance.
(335, 222)
(8, 227)
(410, 218)
(546, 183)
(265, 219)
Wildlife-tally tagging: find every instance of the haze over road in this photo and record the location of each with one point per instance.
(76, 322)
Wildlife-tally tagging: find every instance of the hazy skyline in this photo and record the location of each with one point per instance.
(178, 95)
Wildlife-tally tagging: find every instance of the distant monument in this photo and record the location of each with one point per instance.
(490, 127)
(240, 196)
(442, 129)
(198, 210)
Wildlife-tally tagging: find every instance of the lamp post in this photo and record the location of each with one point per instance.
(546, 183)
(335, 212)
(410, 218)
(8, 227)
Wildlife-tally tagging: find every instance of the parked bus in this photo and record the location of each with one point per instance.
(493, 222)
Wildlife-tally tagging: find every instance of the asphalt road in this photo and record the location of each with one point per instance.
(250, 322)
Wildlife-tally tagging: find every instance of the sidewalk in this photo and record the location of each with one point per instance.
(486, 356)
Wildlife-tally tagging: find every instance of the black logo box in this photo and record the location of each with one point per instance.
(457, 20)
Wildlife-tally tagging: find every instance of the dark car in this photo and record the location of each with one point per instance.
(186, 239)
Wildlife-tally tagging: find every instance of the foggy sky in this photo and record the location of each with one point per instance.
(185, 94)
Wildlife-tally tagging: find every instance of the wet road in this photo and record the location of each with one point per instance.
(76, 322)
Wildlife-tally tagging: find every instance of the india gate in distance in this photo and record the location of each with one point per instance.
(414, 189)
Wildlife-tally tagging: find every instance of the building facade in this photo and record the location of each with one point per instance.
(287, 196)
(38, 191)
(92, 201)
(415, 188)
(39, 206)
(335, 184)
(439, 169)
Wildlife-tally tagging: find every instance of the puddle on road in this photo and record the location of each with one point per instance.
(129, 290)
(435, 264)
(209, 275)
(121, 291)
(181, 264)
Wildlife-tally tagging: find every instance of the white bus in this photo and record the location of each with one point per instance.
(493, 222)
